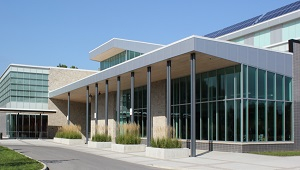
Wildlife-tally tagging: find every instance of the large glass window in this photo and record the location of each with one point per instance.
(221, 113)
(230, 120)
(271, 121)
(212, 86)
(288, 89)
(261, 120)
(279, 87)
(288, 121)
(238, 80)
(212, 120)
(262, 38)
(238, 120)
(279, 120)
(271, 85)
(251, 82)
(261, 84)
(221, 84)
(252, 120)
(230, 82)
(118, 58)
(204, 121)
(245, 120)
(204, 86)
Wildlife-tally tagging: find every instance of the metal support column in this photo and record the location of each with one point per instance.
(132, 96)
(87, 116)
(148, 106)
(40, 136)
(17, 125)
(68, 117)
(193, 106)
(169, 94)
(96, 104)
(106, 106)
(118, 100)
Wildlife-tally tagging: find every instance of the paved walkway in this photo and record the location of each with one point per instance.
(205, 160)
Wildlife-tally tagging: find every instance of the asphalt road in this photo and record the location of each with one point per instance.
(60, 158)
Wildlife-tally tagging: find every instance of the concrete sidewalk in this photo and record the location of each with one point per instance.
(204, 160)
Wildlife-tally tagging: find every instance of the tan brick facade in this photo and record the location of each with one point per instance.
(59, 77)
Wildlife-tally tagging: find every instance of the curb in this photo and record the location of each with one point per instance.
(45, 166)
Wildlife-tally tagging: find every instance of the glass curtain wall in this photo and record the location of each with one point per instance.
(27, 126)
(237, 103)
(29, 87)
(118, 58)
(140, 108)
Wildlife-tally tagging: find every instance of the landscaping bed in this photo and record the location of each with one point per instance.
(279, 153)
(167, 148)
(10, 159)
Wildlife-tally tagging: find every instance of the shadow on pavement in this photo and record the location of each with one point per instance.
(56, 161)
(203, 153)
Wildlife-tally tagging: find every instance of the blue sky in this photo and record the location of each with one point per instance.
(46, 33)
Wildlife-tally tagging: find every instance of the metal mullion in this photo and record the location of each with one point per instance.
(242, 102)
(283, 113)
(275, 108)
(247, 107)
(234, 106)
(256, 106)
(225, 104)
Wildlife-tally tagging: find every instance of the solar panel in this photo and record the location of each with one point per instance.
(280, 11)
(258, 19)
(233, 28)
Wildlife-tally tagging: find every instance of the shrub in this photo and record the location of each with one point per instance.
(101, 138)
(165, 143)
(69, 132)
(128, 134)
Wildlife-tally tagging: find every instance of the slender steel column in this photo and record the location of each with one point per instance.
(148, 106)
(132, 96)
(68, 108)
(118, 100)
(169, 93)
(17, 126)
(193, 106)
(106, 106)
(87, 116)
(40, 126)
(96, 103)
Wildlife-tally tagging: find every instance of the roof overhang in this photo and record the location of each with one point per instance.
(21, 110)
(116, 46)
(211, 54)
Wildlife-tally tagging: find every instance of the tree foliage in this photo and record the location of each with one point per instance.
(62, 65)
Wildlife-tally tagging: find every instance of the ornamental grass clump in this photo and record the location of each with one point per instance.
(69, 132)
(128, 134)
(165, 142)
(101, 138)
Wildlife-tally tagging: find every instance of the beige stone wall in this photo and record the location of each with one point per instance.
(59, 77)
(158, 108)
(58, 119)
(101, 114)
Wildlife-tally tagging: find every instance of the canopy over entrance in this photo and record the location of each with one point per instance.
(21, 110)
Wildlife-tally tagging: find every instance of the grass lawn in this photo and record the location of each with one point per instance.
(10, 160)
(279, 153)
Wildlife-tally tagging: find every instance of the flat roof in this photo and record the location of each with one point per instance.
(21, 110)
(266, 59)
